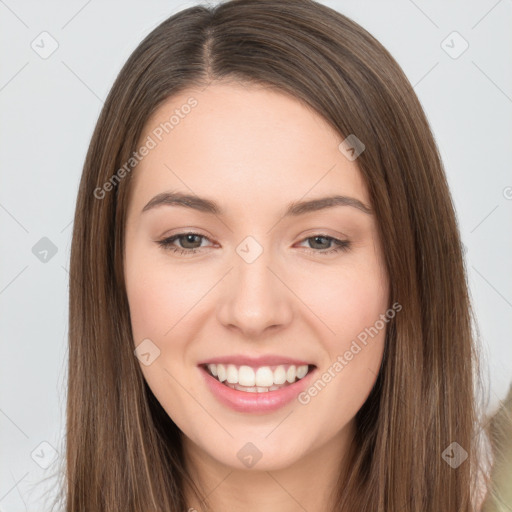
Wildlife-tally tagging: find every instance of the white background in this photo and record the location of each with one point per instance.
(49, 108)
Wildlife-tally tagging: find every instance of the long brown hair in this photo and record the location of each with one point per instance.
(123, 452)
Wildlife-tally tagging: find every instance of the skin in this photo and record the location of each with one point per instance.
(254, 150)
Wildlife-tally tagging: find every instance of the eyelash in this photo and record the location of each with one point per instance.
(340, 245)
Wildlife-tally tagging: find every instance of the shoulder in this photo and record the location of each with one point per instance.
(495, 461)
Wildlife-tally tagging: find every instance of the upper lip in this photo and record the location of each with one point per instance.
(241, 360)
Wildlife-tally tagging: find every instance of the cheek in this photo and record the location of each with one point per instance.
(159, 297)
(160, 300)
(351, 303)
(150, 304)
(346, 299)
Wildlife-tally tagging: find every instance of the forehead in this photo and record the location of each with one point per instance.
(247, 144)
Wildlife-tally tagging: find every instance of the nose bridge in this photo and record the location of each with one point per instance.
(253, 297)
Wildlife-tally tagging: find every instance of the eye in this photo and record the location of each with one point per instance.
(339, 245)
(191, 243)
(190, 239)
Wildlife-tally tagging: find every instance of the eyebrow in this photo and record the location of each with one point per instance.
(293, 209)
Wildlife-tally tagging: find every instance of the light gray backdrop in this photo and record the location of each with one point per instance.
(58, 62)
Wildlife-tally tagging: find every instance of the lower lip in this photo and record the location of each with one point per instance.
(267, 401)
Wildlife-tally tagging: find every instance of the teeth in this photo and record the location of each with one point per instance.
(279, 375)
(291, 373)
(246, 376)
(264, 377)
(221, 371)
(257, 380)
(232, 374)
(302, 371)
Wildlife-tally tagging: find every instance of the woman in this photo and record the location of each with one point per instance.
(268, 302)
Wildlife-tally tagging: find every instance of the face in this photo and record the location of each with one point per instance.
(249, 285)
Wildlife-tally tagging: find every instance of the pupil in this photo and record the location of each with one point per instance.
(316, 238)
(190, 238)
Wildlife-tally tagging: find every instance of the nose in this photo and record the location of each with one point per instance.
(255, 297)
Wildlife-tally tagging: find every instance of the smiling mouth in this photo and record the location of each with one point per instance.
(260, 379)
